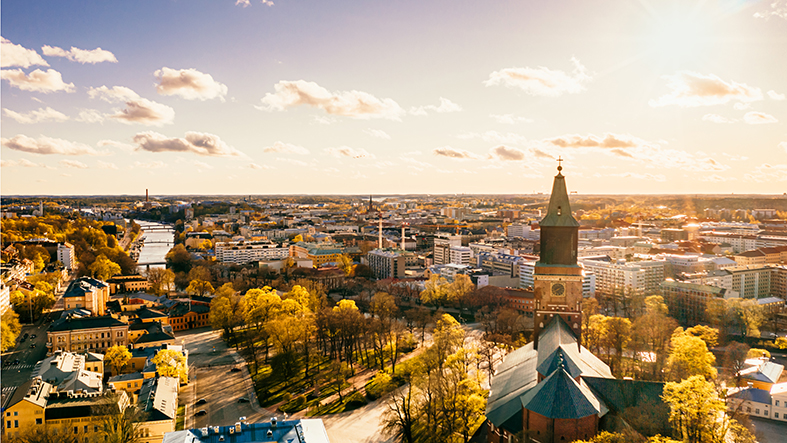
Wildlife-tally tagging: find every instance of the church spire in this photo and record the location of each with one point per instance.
(559, 209)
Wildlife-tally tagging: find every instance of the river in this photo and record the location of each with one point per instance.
(159, 238)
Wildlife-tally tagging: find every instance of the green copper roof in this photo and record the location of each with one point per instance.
(559, 210)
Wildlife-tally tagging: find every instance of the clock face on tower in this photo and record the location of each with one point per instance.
(558, 290)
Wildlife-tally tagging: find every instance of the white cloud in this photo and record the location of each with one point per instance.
(378, 133)
(106, 165)
(355, 104)
(243, 3)
(783, 145)
(507, 153)
(716, 178)
(138, 110)
(445, 106)
(494, 137)
(73, 164)
(256, 166)
(458, 154)
(766, 173)
(115, 144)
(189, 84)
(759, 118)
(509, 119)
(90, 116)
(7, 163)
(716, 118)
(149, 165)
(292, 160)
(542, 81)
(202, 165)
(650, 154)
(195, 142)
(39, 115)
(346, 151)
(740, 106)
(83, 56)
(267, 2)
(287, 148)
(18, 55)
(777, 8)
(28, 164)
(47, 145)
(37, 81)
(323, 120)
(776, 96)
(652, 177)
(691, 89)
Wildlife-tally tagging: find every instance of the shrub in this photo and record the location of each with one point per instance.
(295, 405)
(379, 385)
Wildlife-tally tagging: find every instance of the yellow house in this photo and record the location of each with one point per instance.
(158, 399)
(26, 407)
(130, 383)
(761, 373)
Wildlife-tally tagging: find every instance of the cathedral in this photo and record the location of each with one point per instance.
(553, 389)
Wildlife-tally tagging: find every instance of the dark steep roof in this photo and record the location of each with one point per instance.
(71, 323)
(560, 396)
(557, 359)
(636, 403)
(559, 209)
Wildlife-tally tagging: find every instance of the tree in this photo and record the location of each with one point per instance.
(459, 289)
(338, 373)
(735, 359)
(171, 363)
(652, 332)
(200, 287)
(695, 409)
(617, 334)
(401, 416)
(747, 314)
(103, 268)
(689, 356)
(345, 263)
(435, 291)
(117, 356)
(179, 259)
(758, 353)
(160, 280)
(10, 329)
(780, 343)
(120, 422)
(297, 239)
(448, 335)
(709, 335)
(40, 434)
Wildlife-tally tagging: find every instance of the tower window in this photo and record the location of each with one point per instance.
(559, 210)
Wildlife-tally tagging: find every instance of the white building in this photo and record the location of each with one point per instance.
(460, 255)
(240, 253)
(386, 263)
(66, 255)
(5, 298)
(442, 247)
(638, 277)
(518, 230)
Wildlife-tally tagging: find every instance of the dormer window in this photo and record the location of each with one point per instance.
(559, 210)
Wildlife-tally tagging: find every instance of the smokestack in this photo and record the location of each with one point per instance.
(380, 232)
(146, 196)
(402, 236)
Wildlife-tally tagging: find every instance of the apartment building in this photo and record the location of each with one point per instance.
(616, 276)
(442, 248)
(763, 256)
(687, 301)
(460, 255)
(386, 263)
(244, 252)
(320, 253)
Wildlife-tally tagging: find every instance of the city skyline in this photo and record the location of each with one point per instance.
(440, 97)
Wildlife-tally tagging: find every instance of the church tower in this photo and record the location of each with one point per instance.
(557, 281)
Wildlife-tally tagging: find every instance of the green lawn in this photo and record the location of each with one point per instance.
(181, 418)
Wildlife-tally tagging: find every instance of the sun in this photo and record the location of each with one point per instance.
(677, 33)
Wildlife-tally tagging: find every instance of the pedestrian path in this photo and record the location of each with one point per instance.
(17, 367)
(7, 390)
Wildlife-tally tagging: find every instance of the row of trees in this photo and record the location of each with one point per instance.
(442, 400)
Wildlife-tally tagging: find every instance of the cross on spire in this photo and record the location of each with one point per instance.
(559, 163)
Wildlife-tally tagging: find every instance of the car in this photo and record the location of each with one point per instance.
(235, 369)
(16, 362)
(33, 336)
(201, 412)
(23, 340)
(201, 401)
(26, 335)
(32, 345)
(243, 400)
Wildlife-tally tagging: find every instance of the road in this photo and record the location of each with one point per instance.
(211, 378)
(15, 375)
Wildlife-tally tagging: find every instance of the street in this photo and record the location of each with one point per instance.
(14, 375)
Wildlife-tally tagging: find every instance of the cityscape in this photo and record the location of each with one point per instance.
(420, 222)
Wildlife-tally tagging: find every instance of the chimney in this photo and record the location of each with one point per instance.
(146, 196)
(380, 232)
(402, 236)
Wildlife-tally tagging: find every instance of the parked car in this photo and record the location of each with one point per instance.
(201, 401)
(243, 400)
(32, 345)
(33, 336)
(16, 362)
(201, 412)
(235, 369)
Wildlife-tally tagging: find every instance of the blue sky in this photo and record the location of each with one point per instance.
(393, 97)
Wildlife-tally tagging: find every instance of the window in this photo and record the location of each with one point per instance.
(777, 402)
(85, 429)
(9, 424)
(16, 423)
(16, 413)
(776, 415)
(766, 412)
(39, 421)
(76, 429)
(748, 409)
(757, 411)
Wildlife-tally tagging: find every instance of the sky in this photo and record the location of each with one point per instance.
(373, 97)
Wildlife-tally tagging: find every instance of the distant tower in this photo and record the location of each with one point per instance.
(371, 205)
(147, 196)
(403, 235)
(557, 281)
(380, 232)
(41, 208)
